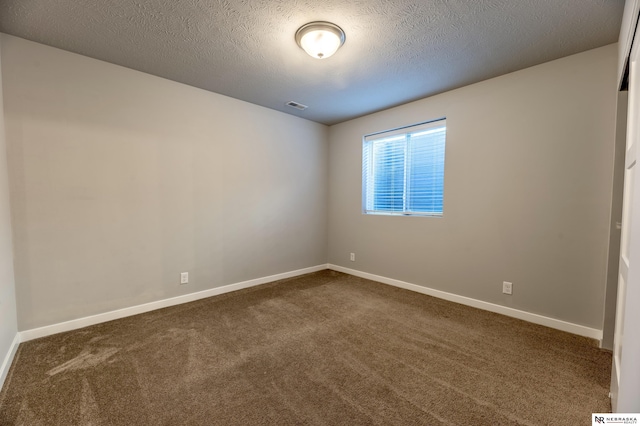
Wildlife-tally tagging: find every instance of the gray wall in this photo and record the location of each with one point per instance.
(528, 181)
(121, 180)
(8, 324)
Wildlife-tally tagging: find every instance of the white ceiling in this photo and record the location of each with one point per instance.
(395, 51)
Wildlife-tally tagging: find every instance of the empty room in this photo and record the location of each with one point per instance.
(281, 212)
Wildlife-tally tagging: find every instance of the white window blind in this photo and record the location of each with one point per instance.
(403, 170)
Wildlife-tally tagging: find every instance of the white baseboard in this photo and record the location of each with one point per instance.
(139, 309)
(510, 312)
(8, 359)
(151, 306)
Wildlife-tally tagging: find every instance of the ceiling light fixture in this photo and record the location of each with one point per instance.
(320, 39)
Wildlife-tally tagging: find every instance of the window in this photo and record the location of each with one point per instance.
(403, 170)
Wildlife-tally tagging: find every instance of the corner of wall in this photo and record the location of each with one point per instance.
(9, 337)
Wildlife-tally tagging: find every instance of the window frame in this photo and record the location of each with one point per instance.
(367, 192)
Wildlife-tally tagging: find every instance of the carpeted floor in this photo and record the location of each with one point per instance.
(321, 349)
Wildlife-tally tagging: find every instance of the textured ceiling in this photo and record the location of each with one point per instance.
(395, 51)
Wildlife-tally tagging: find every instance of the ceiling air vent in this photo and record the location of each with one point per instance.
(296, 105)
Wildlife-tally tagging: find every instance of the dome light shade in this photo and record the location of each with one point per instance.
(320, 39)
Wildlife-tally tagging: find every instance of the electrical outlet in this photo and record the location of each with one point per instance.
(507, 287)
(353, 257)
(184, 278)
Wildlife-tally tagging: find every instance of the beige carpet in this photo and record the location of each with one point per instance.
(321, 349)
